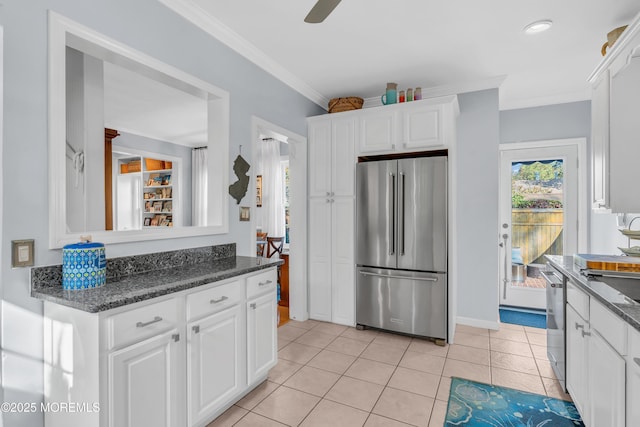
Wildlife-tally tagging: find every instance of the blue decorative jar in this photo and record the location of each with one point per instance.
(84, 266)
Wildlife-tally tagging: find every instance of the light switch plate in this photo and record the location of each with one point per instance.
(22, 253)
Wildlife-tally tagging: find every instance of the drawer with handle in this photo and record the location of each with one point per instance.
(578, 299)
(138, 324)
(214, 299)
(262, 282)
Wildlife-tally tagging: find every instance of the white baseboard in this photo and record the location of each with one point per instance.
(478, 323)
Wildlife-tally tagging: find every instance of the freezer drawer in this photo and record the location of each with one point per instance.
(402, 301)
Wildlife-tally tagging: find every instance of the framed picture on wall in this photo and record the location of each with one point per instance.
(259, 191)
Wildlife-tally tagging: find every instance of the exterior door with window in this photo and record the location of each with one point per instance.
(538, 216)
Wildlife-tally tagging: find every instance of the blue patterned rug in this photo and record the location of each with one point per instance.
(475, 404)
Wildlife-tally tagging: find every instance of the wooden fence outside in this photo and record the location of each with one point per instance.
(537, 232)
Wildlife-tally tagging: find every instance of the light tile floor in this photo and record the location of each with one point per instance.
(332, 375)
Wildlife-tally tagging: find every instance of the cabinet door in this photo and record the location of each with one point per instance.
(422, 126)
(600, 143)
(214, 363)
(320, 243)
(144, 388)
(606, 384)
(633, 376)
(343, 156)
(624, 149)
(262, 342)
(320, 158)
(577, 361)
(378, 130)
(343, 261)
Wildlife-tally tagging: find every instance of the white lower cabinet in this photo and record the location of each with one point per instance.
(633, 378)
(606, 384)
(577, 360)
(144, 383)
(332, 260)
(262, 341)
(596, 368)
(177, 360)
(214, 362)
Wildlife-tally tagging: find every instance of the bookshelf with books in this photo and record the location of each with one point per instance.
(158, 192)
(157, 179)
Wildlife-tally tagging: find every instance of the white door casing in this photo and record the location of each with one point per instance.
(573, 154)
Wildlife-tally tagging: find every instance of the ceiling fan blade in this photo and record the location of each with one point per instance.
(320, 11)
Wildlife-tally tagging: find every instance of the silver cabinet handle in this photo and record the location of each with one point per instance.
(175, 337)
(268, 282)
(637, 360)
(216, 301)
(195, 329)
(586, 334)
(253, 305)
(390, 276)
(328, 201)
(328, 194)
(578, 326)
(150, 322)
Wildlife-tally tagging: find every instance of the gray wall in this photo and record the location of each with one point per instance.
(570, 120)
(480, 127)
(147, 26)
(477, 205)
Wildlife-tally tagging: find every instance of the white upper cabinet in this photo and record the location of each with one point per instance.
(409, 126)
(319, 158)
(422, 126)
(379, 129)
(343, 156)
(332, 157)
(600, 143)
(615, 125)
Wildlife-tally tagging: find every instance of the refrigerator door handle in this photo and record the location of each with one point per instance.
(389, 276)
(391, 197)
(401, 215)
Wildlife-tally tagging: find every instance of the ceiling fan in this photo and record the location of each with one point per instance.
(320, 11)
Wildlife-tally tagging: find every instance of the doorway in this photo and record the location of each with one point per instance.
(292, 171)
(539, 210)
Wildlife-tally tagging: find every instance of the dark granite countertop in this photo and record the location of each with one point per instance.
(617, 302)
(169, 276)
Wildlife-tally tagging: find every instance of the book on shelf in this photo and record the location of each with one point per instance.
(167, 206)
(162, 221)
(157, 206)
(154, 180)
(165, 179)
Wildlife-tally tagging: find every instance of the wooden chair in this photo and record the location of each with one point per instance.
(274, 244)
(261, 244)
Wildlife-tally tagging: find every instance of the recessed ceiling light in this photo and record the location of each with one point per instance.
(538, 26)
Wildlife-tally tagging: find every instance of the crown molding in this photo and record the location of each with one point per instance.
(452, 89)
(202, 19)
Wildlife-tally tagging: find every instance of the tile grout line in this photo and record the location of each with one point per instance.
(395, 370)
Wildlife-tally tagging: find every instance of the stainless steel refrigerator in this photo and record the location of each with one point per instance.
(401, 249)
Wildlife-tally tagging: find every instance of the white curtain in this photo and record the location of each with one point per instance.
(272, 188)
(199, 186)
